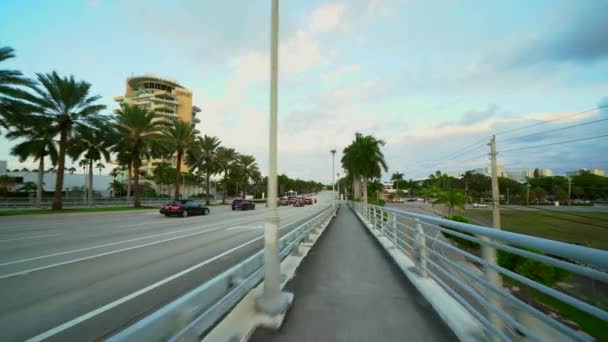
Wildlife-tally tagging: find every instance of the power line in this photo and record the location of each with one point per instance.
(554, 130)
(554, 143)
(549, 121)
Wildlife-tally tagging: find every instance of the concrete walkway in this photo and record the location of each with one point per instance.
(348, 290)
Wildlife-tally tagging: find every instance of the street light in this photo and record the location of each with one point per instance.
(272, 301)
(333, 180)
(339, 197)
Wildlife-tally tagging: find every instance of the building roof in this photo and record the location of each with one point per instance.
(136, 80)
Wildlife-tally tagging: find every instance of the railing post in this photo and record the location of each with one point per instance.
(374, 219)
(395, 229)
(421, 247)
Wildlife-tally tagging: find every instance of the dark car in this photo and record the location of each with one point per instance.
(183, 208)
(242, 204)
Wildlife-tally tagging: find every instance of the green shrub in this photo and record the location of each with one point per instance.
(538, 271)
(531, 269)
(464, 243)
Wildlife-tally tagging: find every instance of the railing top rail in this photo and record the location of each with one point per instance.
(582, 254)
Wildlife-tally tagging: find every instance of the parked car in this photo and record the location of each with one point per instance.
(307, 200)
(242, 204)
(299, 202)
(292, 200)
(479, 205)
(283, 201)
(183, 208)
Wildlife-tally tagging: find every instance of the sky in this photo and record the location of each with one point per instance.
(434, 79)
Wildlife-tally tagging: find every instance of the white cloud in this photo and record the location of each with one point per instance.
(328, 17)
(340, 72)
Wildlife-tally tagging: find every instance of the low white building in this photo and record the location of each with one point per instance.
(101, 183)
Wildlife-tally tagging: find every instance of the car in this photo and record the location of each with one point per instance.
(292, 200)
(479, 205)
(299, 202)
(183, 208)
(307, 200)
(242, 204)
(283, 201)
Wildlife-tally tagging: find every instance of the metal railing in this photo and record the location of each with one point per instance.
(192, 315)
(25, 203)
(464, 274)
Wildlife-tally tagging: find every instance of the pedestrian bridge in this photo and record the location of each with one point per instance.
(366, 273)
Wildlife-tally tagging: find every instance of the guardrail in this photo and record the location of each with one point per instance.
(192, 315)
(19, 203)
(474, 281)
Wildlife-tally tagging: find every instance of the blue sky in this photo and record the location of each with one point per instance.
(428, 77)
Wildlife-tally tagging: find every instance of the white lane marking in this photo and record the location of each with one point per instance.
(30, 237)
(111, 244)
(245, 227)
(104, 254)
(128, 297)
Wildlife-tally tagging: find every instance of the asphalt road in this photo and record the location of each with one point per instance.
(79, 277)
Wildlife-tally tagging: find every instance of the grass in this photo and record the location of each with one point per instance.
(64, 211)
(587, 228)
(588, 323)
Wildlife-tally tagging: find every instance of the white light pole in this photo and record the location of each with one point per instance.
(339, 195)
(333, 180)
(273, 302)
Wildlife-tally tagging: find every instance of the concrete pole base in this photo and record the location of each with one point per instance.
(274, 306)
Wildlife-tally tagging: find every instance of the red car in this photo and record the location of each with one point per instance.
(299, 202)
(308, 201)
(283, 201)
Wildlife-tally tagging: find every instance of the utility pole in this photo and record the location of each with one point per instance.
(569, 191)
(333, 181)
(272, 301)
(489, 253)
(338, 186)
(495, 188)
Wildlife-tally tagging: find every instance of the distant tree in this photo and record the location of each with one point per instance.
(71, 170)
(6, 183)
(538, 194)
(25, 169)
(451, 199)
(536, 173)
(100, 166)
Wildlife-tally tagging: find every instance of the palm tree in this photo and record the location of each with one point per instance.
(248, 169)
(71, 170)
(140, 135)
(363, 159)
(100, 166)
(68, 104)
(203, 157)
(93, 144)
(396, 178)
(28, 187)
(38, 144)
(10, 106)
(225, 158)
(450, 198)
(181, 136)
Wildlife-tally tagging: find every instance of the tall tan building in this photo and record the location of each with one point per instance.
(167, 98)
